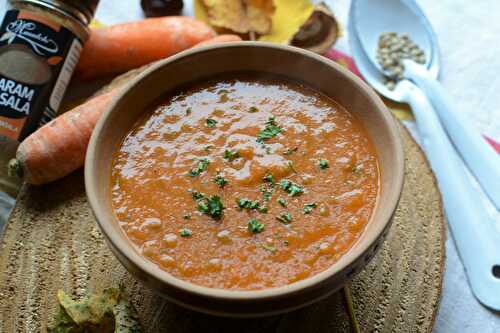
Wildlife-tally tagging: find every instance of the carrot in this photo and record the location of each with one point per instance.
(122, 47)
(58, 148)
(220, 39)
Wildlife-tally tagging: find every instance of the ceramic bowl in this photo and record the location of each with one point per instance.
(203, 63)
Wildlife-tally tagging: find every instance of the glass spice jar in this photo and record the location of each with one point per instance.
(40, 44)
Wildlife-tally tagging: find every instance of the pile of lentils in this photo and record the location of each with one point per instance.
(392, 49)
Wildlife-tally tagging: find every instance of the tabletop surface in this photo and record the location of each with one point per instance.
(470, 46)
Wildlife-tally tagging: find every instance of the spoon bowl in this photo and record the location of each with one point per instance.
(371, 18)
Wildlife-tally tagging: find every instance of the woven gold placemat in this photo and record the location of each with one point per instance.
(52, 242)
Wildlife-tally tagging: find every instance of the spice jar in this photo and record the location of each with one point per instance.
(40, 44)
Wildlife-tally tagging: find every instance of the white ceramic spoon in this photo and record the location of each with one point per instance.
(374, 17)
(476, 233)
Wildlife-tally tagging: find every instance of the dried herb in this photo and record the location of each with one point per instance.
(270, 131)
(231, 155)
(212, 206)
(282, 202)
(200, 167)
(254, 226)
(285, 218)
(185, 233)
(309, 207)
(323, 164)
(220, 180)
(291, 188)
(248, 204)
(211, 122)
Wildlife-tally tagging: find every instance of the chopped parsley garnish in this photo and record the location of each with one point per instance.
(185, 233)
(270, 131)
(212, 206)
(290, 151)
(323, 164)
(267, 191)
(285, 218)
(188, 111)
(202, 166)
(269, 178)
(263, 209)
(248, 204)
(285, 184)
(231, 155)
(223, 91)
(254, 226)
(282, 202)
(187, 216)
(220, 180)
(253, 109)
(291, 188)
(268, 150)
(211, 122)
(197, 195)
(309, 207)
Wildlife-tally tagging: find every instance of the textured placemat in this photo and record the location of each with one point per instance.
(52, 242)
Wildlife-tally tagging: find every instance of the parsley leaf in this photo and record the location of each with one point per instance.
(291, 188)
(185, 233)
(309, 207)
(220, 180)
(282, 202)
(267, 191)
(212, 206)
(248, 204)
(254, 226)
(197, 195)
(231, 155)
(269, 178)
(202, 166)
(323, 164)
(211, 122)
(285, 218)
(188, 111)
(270, 131)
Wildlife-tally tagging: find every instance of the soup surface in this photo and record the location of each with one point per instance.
(245, 183)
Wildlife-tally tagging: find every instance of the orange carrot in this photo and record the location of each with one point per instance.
(58, 148)
(122, 47)
(220, 39)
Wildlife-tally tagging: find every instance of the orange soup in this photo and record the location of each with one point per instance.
(245, 183)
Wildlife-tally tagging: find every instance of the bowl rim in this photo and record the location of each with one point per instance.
(125, 247)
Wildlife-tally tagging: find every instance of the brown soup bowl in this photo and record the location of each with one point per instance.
(204, 63)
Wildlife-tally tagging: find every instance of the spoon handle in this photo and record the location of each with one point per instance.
(475, 231)
(481, 158)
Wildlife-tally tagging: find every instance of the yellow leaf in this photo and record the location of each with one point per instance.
(287, 19)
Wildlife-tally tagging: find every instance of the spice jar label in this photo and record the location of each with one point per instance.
(37, 58)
